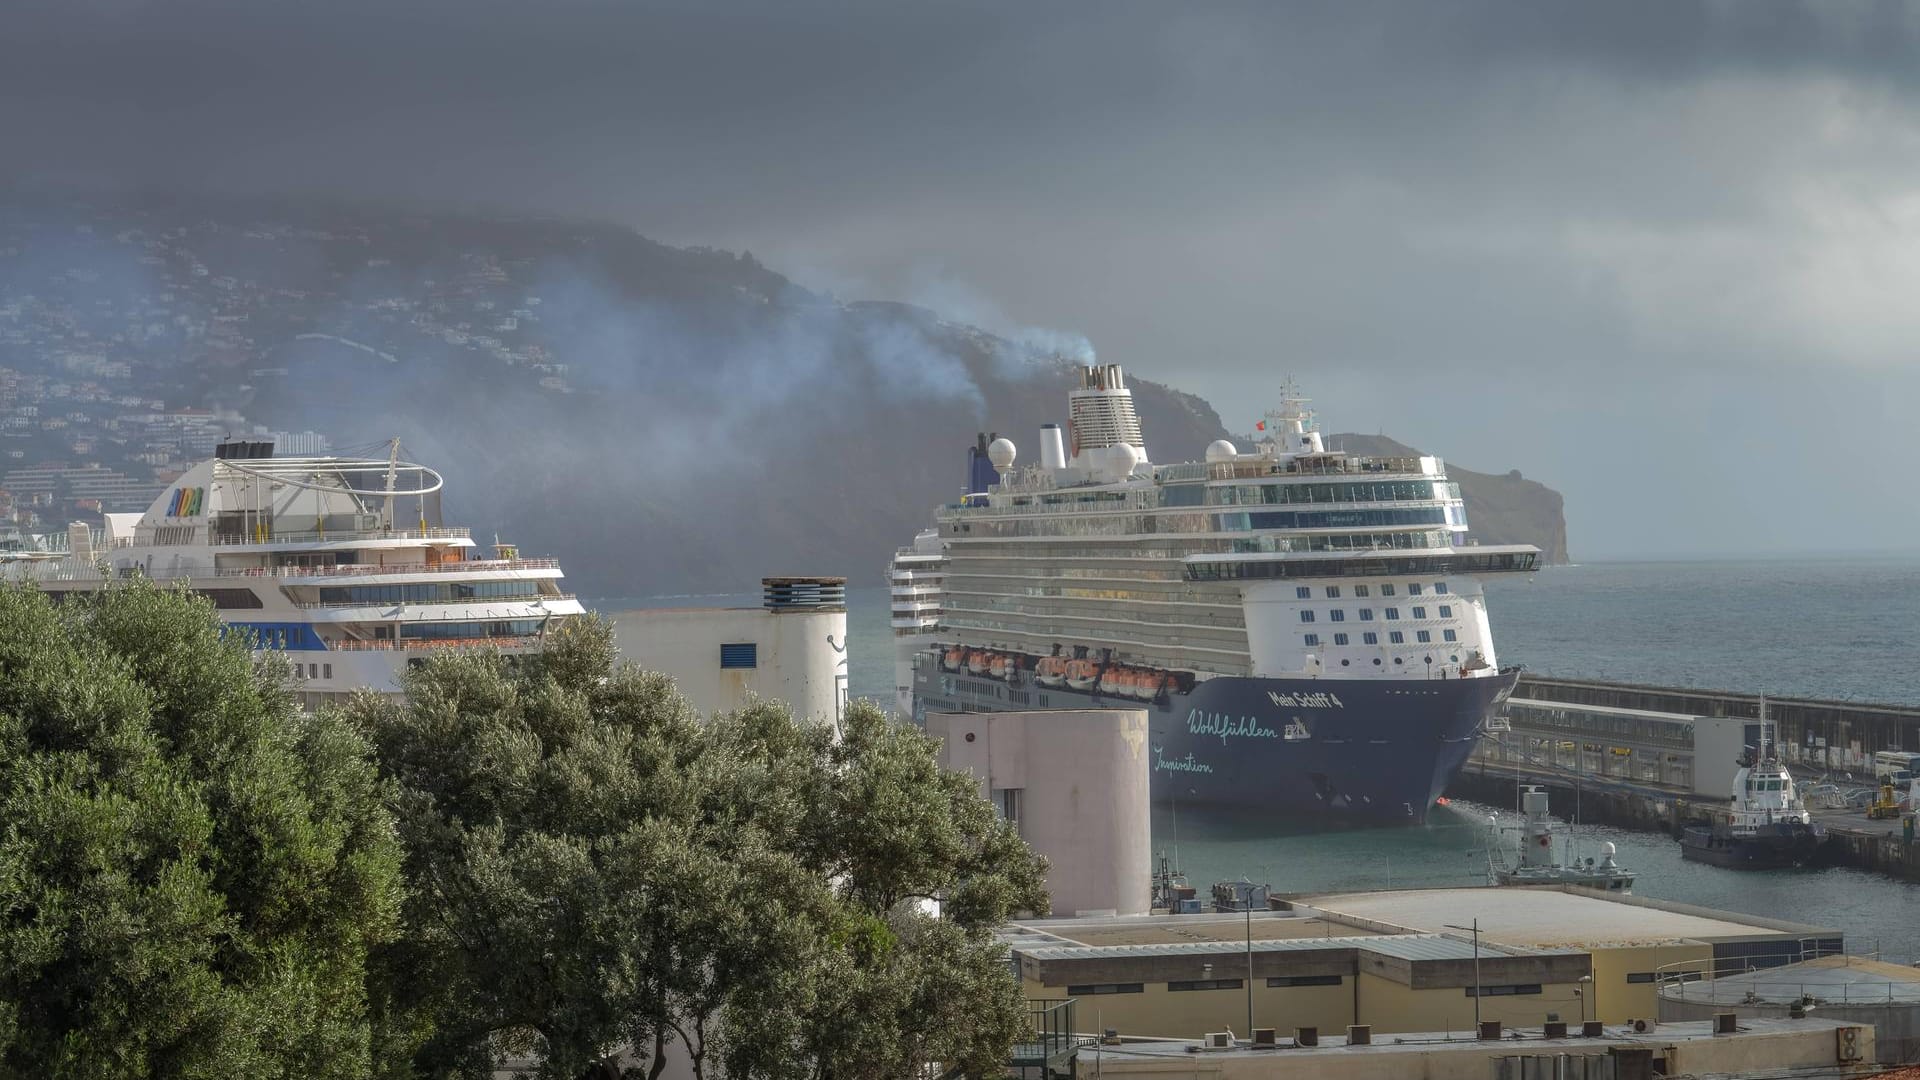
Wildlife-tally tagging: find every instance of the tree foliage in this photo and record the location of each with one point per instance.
(192, 874)
(598, 875)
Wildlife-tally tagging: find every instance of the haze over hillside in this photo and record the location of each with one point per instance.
(663, 419)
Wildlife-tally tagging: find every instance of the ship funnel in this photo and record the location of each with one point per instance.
(1102, 412)
(1053, 449)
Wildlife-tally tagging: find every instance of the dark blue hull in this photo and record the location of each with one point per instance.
(1773, 847)
(1372, 751)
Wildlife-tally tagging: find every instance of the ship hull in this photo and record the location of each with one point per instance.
(1354, 751)
(1774, 848)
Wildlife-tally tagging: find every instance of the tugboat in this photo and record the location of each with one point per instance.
(1767, 826)
(1536, 864)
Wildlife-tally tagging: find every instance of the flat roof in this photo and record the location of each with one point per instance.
(1549, 917)
(1837, 980)
(1169, 929)
(1531, 1041)
(1404, 946)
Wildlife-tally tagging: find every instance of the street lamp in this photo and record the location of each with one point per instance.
(1580, 992)
(1475, 928)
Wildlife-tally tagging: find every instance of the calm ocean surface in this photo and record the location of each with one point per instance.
(1787, 627)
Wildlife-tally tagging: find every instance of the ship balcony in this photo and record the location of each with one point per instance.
(327, 536)
(317, 575)
(493, 601)
(916, 590)
(431, 645)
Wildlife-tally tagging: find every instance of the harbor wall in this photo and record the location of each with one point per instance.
(1882, 847)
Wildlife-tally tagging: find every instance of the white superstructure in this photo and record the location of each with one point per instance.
(341, 563)
(1287, 561)
(915, 583)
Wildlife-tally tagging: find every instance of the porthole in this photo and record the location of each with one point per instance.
(1344, 663)
(1376, 661)
(1454, 659)
(1397, 660)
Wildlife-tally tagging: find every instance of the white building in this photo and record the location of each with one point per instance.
(793, 648)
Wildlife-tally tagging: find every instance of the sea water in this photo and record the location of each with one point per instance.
(1793, 628)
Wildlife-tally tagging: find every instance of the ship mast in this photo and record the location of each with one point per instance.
(393, 468)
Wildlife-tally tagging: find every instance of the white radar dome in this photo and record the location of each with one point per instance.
(1000, 452)
(1124, 458)
(1607, 849)
(1221, 450)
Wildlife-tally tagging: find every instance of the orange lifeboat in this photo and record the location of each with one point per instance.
(1151, 684)
(978, 660)
(1081, 673)
(953, 658)
(1052, 671)
(999, 665)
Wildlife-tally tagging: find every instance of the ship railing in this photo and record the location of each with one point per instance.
(1331, 466)
(314, 536)
(432, 644)
(470, 566)
(309, 605)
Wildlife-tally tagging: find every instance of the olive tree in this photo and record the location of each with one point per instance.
(601, 879)
(192, 873)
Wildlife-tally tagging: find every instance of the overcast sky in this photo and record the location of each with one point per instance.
(1664, 256)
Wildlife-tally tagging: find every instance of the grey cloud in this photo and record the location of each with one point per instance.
(1459, 218)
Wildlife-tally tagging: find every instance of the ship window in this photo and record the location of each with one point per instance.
(1371, 638)
(1393, 613)
(1304, 592)
(1306, 616)
(1419, 613)
(1337, 615)
(1313, 639)
(1422, 636)
(1449, 635)
(745, 654)
(1333, 592)
(1446, 611)
(1413, 588)
(1339, 639)
(1397, 638)
(327, 670)
(1387, 589)
(1440, 587)
(1362, 590)
(1366, 614)
(1397, 660)
(1376, 661)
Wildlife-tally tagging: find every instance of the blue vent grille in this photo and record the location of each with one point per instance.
(740, 655)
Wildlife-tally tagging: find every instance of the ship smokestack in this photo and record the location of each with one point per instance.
(1053, 448)
(1102, 412)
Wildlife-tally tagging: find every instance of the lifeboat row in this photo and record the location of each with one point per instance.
(1080, 673)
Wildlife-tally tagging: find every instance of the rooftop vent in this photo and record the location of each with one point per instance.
(804, 593)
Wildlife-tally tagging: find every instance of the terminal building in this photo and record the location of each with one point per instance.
(1408, 961)
(1679, 739)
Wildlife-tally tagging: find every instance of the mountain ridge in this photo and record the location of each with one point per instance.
(663, 419)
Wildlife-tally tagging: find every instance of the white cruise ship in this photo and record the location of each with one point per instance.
(1306, 628)
(341, 563)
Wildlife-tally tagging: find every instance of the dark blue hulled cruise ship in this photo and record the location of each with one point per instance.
(1306, 629)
